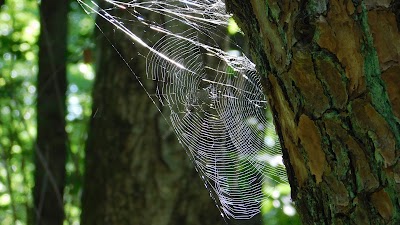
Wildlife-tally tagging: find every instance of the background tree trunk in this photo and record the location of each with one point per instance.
(51, 148)
(136, 171)
(332, 75)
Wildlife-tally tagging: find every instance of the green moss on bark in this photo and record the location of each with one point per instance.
(379, 98)
(375, 83)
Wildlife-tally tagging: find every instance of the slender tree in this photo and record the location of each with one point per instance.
(331, 71)
(136, 172)
(51, 147)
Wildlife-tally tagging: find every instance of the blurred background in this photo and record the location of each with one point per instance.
(79, 138)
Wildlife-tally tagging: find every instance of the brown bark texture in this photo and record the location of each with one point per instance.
(51, 148)
(136, 171)
(331, 71)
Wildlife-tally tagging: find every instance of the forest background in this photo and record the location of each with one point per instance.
(19, 56)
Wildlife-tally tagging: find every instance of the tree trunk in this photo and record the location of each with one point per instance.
(51, 148)
(331, 71)
(136, 172)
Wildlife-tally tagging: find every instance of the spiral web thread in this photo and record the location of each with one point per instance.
(215, 100)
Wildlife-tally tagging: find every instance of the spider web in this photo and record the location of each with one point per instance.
(216, 105)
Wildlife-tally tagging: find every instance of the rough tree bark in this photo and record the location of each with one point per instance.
(331, 71)
(51, 148)
(136, 171)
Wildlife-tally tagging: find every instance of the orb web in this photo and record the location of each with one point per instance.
(219, 115)
(215, 101)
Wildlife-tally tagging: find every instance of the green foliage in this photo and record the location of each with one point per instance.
(19, 30)
(18, 34)
(233, 28)
(277, 207)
